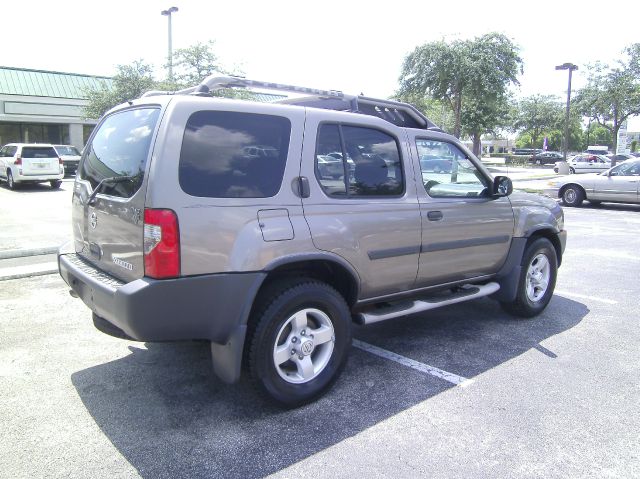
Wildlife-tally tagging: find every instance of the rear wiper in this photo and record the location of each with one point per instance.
(114, 180)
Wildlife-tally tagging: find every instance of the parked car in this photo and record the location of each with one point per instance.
(437, 164)
(180, 231)
(620, 184)
(70, 158)
(587, 163)
(620, 157)
(546, 158)
(23, 163)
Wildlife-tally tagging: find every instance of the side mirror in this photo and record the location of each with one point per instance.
(502, 186)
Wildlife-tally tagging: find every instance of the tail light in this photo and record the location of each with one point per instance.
(161, 244)
(60, 161)
(18, 161)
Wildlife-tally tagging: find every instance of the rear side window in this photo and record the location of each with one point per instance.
(38, 152)
(234, 155)
(354, 161)
(120, 148)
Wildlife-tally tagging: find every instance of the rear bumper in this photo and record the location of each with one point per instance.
(211, 307)
(18, 178)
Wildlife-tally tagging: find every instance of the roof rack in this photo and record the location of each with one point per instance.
(398, 113)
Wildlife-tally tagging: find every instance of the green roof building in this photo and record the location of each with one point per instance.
(38, 106)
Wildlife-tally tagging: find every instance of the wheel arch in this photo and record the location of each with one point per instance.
(549, 234)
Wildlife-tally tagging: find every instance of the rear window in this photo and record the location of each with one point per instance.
(120, 148)
(38, 152)
(234, 155)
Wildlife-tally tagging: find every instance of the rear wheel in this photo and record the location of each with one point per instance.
(537, 280)
(298, 341)
(55, 184)
(572, 195)
(571, 170)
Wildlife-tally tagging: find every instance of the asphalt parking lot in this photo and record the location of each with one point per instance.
(466, 391)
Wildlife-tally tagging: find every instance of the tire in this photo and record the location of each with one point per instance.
(537, 280)
(55, 184)
(286, 363)
(572, 171)
(11, 184)
(572, 195)
(538, 162)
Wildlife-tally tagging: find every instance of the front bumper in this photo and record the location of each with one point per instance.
(211, 307)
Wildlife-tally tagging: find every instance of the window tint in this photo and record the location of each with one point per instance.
(626, 169)
(120, 148)
(234, 155)
(368, 165)
(447, 172)
(38, 152)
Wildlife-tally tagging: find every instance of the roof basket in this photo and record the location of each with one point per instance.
(398, 113)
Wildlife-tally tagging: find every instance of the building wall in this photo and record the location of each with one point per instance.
(43, 119)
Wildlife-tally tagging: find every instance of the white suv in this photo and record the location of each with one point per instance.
(30, 163)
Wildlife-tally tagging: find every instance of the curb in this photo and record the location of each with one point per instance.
(28, 275)
(20, 253)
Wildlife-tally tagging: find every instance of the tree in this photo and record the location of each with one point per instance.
(479, 117)
(476, 71)
(130, 82)
(538, 115)
(612, 94)
(193, 64)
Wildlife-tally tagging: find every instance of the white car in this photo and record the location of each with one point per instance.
(587, 163)
(30, 163)
(620, 184)
(70, 158)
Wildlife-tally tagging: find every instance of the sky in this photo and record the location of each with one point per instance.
(352, 46)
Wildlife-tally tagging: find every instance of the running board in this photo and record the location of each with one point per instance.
(466, 293)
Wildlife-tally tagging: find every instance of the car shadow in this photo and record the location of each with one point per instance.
(38, 187)
(611, 206)
(163, 410)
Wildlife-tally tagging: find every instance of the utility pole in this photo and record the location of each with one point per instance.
(168, 13)
(571, 67)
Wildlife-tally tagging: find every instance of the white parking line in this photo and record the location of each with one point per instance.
(582, 296)
(423, 368)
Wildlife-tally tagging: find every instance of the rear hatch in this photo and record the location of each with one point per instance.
(109, 193)
(39, 160)
(69, 154)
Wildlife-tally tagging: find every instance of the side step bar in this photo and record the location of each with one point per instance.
(467, 293)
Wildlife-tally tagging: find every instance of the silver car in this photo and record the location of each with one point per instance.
(619, 184)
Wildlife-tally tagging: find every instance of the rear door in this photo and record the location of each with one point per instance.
(39, 160)
(367, 213)
(108, 229)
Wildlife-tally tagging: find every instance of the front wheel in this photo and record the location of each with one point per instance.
(298, 341)
(572, 195)
(537, 280)
(10, 181)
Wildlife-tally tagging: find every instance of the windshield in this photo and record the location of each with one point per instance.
(120, 147)
(67, 150)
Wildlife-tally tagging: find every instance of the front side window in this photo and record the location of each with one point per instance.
(234, 155)
(447, 172)
(626, 169)
(119, 151)
(354, 161)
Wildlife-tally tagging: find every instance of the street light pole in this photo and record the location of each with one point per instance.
(168, 13)
(571, 67)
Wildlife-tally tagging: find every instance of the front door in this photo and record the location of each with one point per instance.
(621, 184)
(466, 233)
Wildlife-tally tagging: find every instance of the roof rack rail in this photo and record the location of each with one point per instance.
(398, 113)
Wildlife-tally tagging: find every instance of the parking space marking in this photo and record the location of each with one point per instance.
(423, 368)
(583, 296)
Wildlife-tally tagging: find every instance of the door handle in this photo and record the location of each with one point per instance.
(434, 215)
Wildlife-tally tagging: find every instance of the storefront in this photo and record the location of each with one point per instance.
(39, 106)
